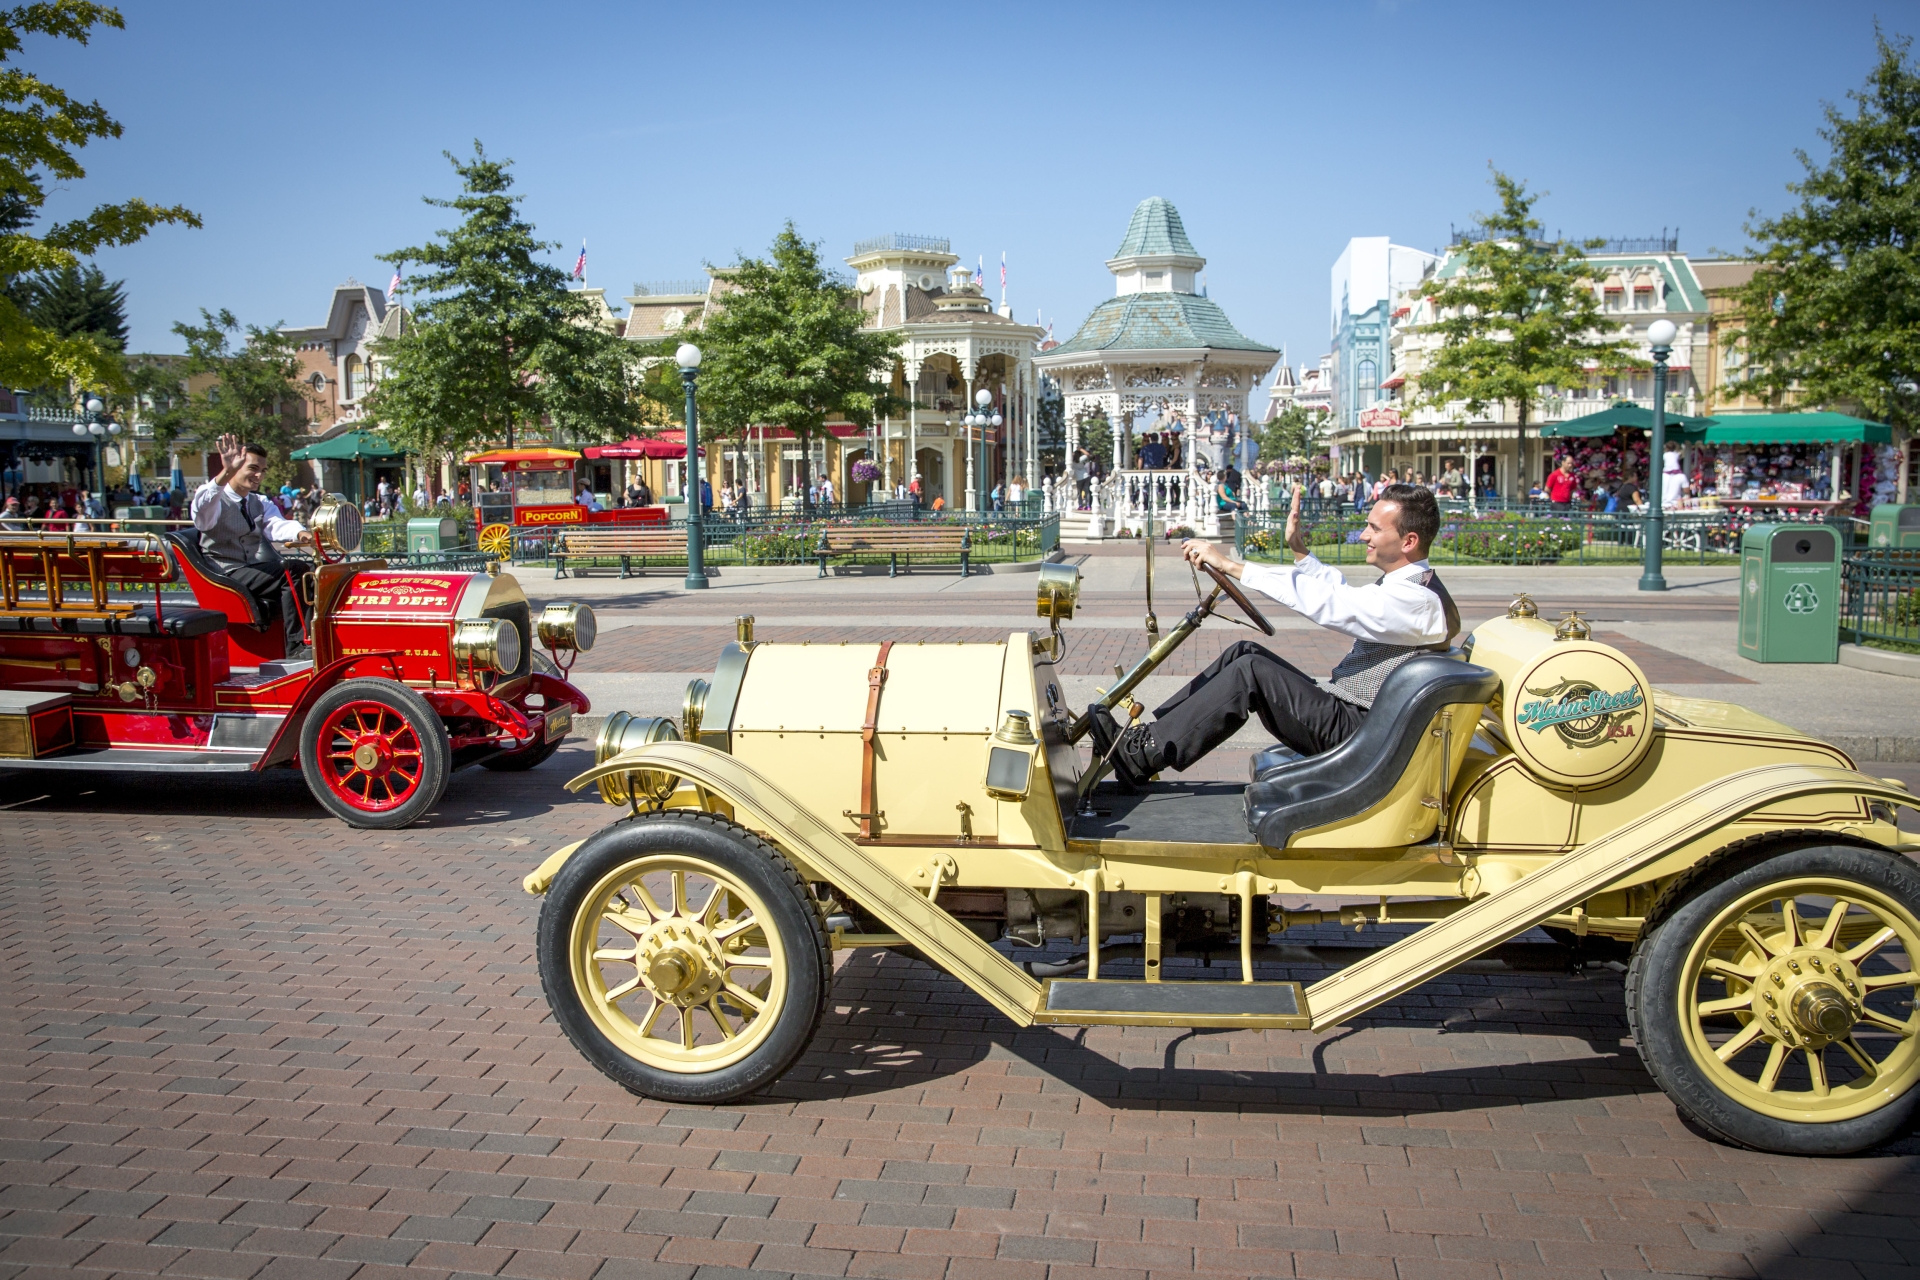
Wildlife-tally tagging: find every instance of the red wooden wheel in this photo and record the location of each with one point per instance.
(374, 753)
(370, 756)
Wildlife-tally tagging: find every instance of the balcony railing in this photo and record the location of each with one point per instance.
(686, 288)
(894, 241)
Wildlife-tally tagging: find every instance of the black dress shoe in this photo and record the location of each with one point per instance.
(1137, 758)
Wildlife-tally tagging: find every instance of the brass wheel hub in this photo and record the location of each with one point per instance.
(366, 758)
(680, 963)
(1809, 997)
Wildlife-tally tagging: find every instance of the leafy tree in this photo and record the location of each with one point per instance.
(1290, 434)
(498, 342)
(788, 348)
(1833, 312)
(41, 131)
(1520, 316)
(254, 393)
(75, 300)
(1096, 437)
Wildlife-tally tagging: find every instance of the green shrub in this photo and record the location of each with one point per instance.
(1510, 538)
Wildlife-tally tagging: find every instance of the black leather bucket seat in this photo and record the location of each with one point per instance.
(1363, 770)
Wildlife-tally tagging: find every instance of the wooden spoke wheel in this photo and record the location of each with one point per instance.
(684, 957)
(374, 753)
(1776, 1004)
(497, 541)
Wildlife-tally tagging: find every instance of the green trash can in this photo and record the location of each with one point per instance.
(1790, 593)
(139, 513)
(432, 533)
(1894, 525)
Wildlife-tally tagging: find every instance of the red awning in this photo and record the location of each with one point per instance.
(634, 447)
(1396, 380)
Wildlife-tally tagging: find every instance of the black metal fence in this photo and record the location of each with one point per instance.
(1519, 536)
(1880, 599)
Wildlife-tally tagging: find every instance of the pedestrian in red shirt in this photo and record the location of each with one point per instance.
(1561, 484)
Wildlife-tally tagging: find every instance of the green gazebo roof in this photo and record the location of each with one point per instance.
(1157, 321)
(1155, 229)
(347, 446)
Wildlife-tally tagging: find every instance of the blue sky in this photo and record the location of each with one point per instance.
(666, 136)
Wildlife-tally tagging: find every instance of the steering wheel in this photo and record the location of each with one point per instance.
(1239, 597)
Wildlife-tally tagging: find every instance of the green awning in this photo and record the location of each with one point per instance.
(1612, 418)
(347, 446)
(1797, 428)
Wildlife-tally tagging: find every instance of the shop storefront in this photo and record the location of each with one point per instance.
(354, 463)
(1814, 462)
(1610, 448)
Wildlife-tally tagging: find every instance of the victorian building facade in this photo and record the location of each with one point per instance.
(1393, 428)
(1158, 356)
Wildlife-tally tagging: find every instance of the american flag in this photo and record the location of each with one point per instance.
(1003, 272)
(393, 285)
(580, 263)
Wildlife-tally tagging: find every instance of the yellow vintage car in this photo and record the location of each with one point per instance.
(815, 797)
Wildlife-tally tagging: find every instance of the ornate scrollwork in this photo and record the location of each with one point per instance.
(1156, 376)
(1092, 380)
(1220, 379)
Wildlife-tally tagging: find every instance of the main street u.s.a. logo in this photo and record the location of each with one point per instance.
(1583, 714)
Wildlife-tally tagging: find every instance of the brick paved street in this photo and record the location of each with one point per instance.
(241, 1040)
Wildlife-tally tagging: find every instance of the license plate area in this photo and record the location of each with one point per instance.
(559, 721)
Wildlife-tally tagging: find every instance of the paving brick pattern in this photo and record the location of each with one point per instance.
(239, 1041)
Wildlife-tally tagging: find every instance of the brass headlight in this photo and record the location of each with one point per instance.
(1059, 591)
(336, 525)
(623, 732)
(568, 626)
(693, 709)
(487, 644)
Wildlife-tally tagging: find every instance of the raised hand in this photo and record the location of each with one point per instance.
(232, 456)
(1296, 536)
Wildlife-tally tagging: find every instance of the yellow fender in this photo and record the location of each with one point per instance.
(826, 854)
(1579, 875)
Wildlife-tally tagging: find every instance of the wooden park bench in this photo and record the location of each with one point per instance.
(895, 541)
(626, 545)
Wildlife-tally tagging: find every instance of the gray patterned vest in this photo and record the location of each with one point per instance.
(1358, 676)
(235, 539)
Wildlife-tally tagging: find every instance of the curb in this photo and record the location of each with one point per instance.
(1886, 661)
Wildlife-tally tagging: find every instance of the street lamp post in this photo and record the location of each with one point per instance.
(688, 358)
(1660, 336)
(90, 425)
(979, 419)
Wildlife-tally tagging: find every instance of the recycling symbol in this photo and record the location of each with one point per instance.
(1801, 598)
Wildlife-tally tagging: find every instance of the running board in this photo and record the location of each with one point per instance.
(1108, 1001)
(134, 760)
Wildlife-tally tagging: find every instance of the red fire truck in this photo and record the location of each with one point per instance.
(415, 672)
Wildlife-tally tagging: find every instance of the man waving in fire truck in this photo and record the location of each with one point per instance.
(238, 529)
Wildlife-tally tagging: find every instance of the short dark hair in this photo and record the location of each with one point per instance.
(1418, 512)
(257, 450)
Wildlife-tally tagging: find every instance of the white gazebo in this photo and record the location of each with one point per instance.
(1157, 356)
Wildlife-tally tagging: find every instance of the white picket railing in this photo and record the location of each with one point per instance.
(1126, 500)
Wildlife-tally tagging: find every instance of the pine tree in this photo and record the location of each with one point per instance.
(1520, 316)
(1833, 312)
(498, 342)
(77, 300)
(788, 348)
(41, 131)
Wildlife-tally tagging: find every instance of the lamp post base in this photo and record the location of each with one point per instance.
(696, 582)
(1653, 582)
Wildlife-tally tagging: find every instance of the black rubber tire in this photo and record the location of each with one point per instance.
(792, 913)
(523, 759)
(1653, 1010)
(436, 754)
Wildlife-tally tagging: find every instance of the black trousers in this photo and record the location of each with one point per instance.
(270, 591)
(1246, 680)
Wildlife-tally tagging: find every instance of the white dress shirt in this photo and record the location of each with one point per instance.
(1395, 610)
(205, 510)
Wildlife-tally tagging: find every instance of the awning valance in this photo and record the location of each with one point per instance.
(348, 446)
(668, 444)
(1797, 428)
(1612, 418)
